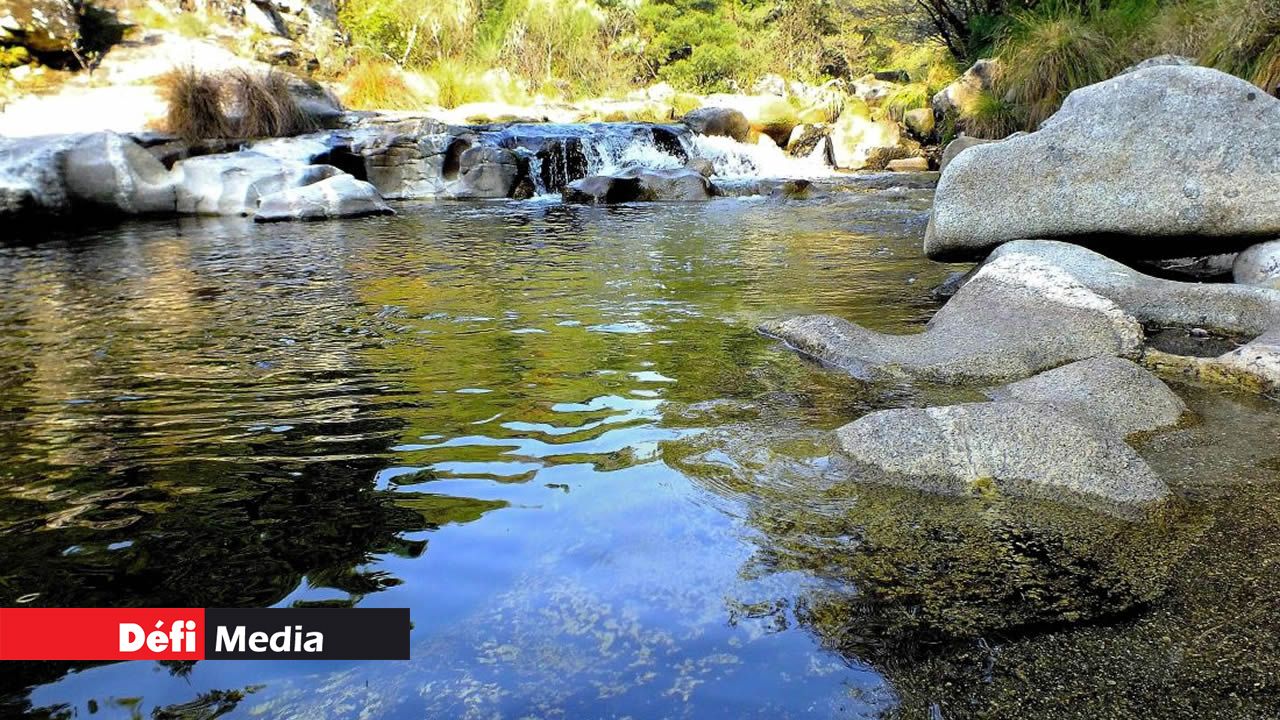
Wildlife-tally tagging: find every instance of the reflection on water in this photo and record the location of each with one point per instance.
(550, 431)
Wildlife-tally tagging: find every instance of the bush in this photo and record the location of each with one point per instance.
(266, 107)
(906, 97)
(989, 116)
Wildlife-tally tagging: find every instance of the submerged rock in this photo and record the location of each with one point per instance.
(640, 184)
(1136, 165)
(1017, 316)
(1109, 393)
(340, 196)
(1259, 265)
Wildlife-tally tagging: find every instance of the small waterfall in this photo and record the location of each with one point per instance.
(611, 153)
(560, 154)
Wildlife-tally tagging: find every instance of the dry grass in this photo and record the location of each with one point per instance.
(374, 85)
(196, 105)
(266, 107)
(242, 105)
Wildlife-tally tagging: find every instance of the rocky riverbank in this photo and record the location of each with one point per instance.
(1135, 168)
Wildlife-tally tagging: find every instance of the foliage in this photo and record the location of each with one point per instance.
(906, 97)
(1047, 54)
(266, 107)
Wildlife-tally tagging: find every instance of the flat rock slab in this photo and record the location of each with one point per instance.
(1134, 165)
(1057, 436)
(1017, 316)
(1110, 393)
(1007, 447)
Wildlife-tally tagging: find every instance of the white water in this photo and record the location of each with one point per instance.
(732, 159)
(609, 153)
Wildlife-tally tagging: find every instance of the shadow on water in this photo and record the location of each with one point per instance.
(996, 607)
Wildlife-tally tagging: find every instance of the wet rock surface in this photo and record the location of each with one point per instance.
(1004, 447)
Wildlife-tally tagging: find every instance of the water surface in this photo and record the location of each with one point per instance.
(553, 433)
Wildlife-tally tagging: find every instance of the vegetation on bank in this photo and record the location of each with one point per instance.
(450, 52)
(407, 54)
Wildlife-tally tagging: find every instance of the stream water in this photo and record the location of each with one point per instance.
(553, 433)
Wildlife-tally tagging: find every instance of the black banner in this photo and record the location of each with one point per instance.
(306, 634)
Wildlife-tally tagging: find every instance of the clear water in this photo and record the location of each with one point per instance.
(553, 433)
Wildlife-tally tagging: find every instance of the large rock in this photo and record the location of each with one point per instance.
(488, 172)
(920, 122)
(1017, 316)
(234, 183)
(1135, 165)
(339, 196)
(1259, 265)
(414, 164)
(859, 142)
(1058, 435)
(113, 174)
(43, 26)
(1004, 447)
(952, 100)
(94, 174)
(957, 146)
(873, 89)
(765, 114)
(1235, 310)
(719, 121)
(1157, 61)
(641, 184)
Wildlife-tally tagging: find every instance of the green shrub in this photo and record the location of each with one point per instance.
(989, 116)
(1049, 53)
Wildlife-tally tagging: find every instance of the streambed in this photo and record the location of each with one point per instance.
(554, 434)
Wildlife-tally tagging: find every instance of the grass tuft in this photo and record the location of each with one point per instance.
(195, 105)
